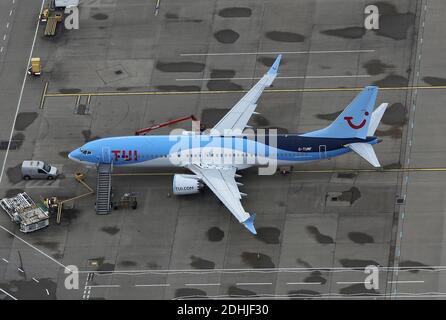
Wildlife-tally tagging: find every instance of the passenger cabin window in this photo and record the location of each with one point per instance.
(41, 171)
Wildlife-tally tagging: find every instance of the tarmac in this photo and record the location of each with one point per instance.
(129, 66)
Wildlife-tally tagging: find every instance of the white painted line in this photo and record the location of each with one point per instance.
(105, 286)
(21, 270)
(290, 77)
(12, 297)
(38, 250)
(1, 49)
(5, 260)
(433, 268)
(47, 292)
(350, 282)
(202, 284)
(35, 280)
(4, 36)
(7, 25)
(153, 285)
(407, 281)
(273, 52)
(299, 283)
(21, 94)
(10, 13)
(253, 283)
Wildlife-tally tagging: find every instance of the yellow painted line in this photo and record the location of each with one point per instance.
(136, 174)
(42, 98)
(303, 90)
(370, 170)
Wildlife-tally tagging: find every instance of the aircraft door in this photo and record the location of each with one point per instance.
(106, 155)
(322, 151)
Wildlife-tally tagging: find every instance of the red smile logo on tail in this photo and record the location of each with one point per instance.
(352, 125)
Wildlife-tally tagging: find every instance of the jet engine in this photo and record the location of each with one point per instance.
(184, 184)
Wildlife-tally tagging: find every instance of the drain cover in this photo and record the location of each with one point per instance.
(4, 145)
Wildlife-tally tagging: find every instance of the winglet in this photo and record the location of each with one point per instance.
(249, 224)
(275, 67)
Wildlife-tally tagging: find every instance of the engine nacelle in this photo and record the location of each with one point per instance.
(184, 184)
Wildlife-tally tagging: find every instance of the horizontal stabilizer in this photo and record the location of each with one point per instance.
(249, 224)
(376, 118)
(366, 151)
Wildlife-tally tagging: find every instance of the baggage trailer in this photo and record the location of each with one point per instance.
(25, 212)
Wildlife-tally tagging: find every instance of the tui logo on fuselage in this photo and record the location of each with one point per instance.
(125, 155)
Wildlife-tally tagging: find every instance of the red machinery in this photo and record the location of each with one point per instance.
(164, 124)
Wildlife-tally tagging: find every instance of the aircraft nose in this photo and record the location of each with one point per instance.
(74, 155)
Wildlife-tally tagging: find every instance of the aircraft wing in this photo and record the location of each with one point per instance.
(221, 180)
(237, 118)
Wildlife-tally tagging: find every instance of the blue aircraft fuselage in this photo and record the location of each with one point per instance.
(243, 151)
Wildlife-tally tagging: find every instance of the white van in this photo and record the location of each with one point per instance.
(66, 3)
(38, 170)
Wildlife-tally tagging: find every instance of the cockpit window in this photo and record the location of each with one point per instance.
(84, 151)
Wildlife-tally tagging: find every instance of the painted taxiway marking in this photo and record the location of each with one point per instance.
(87, 289)
(303, 283)
(5, 260)
(324, 296)
(157, 7)
(253, 283)
(351, 282)
(406, 281)
(136, 174)
(202, 284)
(275, 52)
(104, 286)
(277, 78)
(21, 93)
(153, 285)
(269, 91)
(9, 295)
(33, 247)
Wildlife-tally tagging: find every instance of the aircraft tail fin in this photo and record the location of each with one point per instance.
(354, 121)
(365, 151)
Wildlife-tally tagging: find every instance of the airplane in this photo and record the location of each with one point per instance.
(215, 157)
